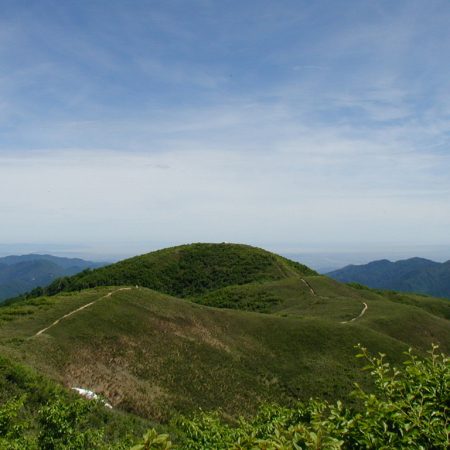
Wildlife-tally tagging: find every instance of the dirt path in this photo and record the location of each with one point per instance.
(309, 287)
(360, 314)
(79, 309)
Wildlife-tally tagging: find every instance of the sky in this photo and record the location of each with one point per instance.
(299, 126)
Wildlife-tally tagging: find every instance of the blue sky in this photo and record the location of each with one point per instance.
(292, 125)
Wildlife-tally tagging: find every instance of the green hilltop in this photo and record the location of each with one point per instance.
(212, 326)
(188, 270)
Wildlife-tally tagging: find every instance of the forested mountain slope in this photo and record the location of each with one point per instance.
(410, 275)
(19, 274)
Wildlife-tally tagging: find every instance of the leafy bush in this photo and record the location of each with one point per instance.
(65, 426)
(12, 425)
(154, 441)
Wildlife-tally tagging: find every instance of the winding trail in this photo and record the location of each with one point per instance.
(109, 294)
(360, 314)
(309, 286)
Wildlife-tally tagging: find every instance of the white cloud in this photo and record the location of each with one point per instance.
(305, 192)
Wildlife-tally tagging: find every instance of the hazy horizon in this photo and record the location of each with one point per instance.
(315, 256)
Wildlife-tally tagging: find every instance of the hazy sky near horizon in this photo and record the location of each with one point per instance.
(275, 123)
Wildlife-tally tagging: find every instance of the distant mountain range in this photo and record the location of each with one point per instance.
(410, 275)
(19, 274)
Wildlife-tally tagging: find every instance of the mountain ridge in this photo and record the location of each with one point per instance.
(416, 274)
(22, 273)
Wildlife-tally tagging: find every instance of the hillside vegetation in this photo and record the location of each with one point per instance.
(153, 354)
(188, 270)
(245, 328)
(408, 410)
(37, 413)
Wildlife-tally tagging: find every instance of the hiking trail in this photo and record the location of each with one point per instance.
(109, 294)
(360, 314)
(309, 287)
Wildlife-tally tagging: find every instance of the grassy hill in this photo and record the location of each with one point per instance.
(410, 275)
(154, 355)
(246, 327)
(188, 270)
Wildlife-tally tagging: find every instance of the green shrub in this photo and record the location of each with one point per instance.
(154, 441)
(65, 425)
(12, 425)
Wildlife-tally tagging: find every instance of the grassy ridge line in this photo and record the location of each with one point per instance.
(187, 270)
(412, 319)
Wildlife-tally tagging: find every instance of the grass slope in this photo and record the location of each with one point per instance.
(153, 355)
